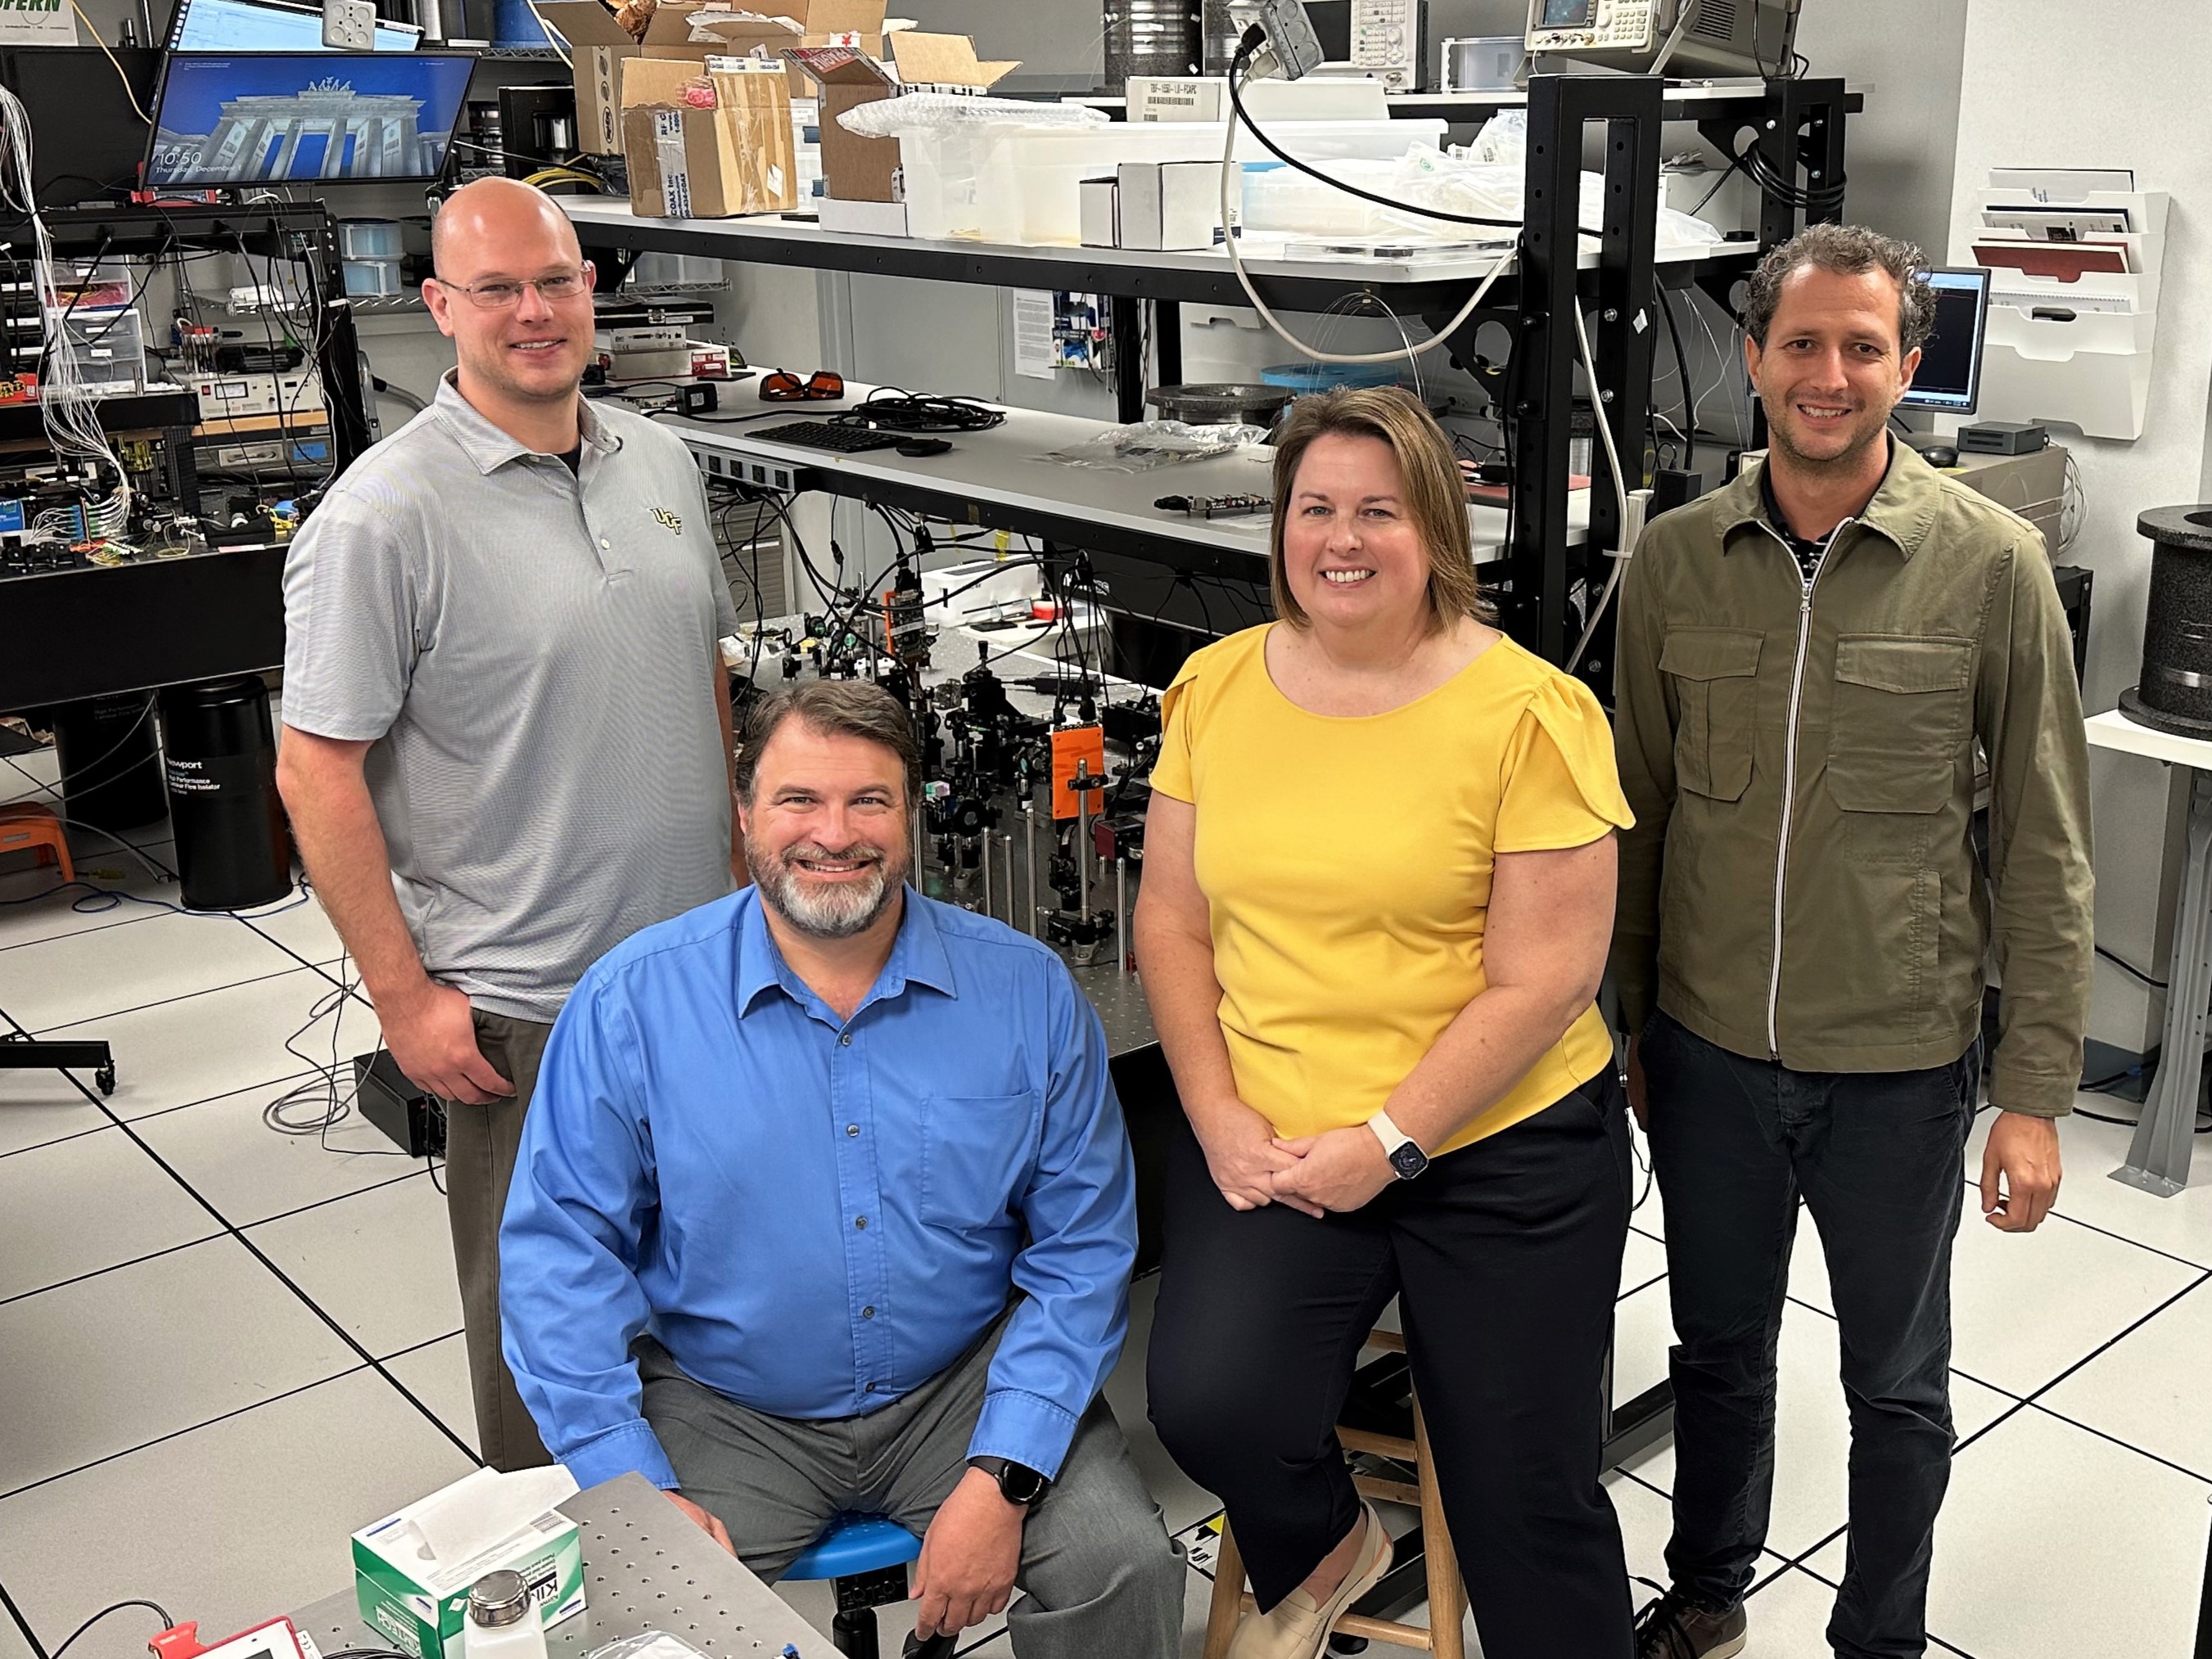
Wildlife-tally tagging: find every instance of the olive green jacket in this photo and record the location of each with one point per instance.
(1839, 722)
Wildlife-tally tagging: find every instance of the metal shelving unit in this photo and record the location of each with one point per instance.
(1800, 125)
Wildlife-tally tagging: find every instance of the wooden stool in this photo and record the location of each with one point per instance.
(27, 824)
(1447, 1594)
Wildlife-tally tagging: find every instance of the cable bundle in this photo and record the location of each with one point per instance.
(67, 405)
(888, 409)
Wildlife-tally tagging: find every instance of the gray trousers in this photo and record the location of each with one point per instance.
(1100, 1577)
(481, 1143)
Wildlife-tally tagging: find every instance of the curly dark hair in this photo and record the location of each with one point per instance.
(1847, 250)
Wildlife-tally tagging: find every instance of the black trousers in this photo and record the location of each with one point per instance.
(1877, 1157)
(1507, 1256)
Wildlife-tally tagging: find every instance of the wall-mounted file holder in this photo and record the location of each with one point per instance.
(2075, 277)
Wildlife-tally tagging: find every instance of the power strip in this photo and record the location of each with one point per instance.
(781, 477)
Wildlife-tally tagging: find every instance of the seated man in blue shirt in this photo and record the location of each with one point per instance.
(824, 1206)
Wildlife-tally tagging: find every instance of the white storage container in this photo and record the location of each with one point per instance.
(369, 239)
(2092, 370)
(1018, 185)
(109, 346)
(373, 278)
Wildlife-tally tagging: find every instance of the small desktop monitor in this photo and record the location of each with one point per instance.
(266, 26)
(242, 118)
(87, 137)
(1949, 378)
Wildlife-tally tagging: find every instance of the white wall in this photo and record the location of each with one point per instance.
(2061, 83)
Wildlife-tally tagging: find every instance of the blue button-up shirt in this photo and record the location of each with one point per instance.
(814, 1215)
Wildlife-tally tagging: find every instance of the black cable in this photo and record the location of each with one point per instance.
(2130, 969)
(892, 409)
(136, 1601)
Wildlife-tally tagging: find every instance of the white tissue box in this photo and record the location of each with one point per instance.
(412, 1569)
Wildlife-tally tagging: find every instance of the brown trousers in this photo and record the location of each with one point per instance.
(481, 1142)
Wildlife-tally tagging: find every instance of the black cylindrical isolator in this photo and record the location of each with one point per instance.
(110, 765)
(2175, 694)
(233, 848)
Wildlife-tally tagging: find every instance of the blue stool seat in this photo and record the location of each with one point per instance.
(853, 1544)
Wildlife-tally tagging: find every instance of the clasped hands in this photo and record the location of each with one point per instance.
(1338, 1169)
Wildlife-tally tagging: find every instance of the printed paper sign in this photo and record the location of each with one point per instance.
(37, 23)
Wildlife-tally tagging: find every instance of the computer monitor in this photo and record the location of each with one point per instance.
(86, 141)
(305, 117)
(1949, 378)
(266, 26)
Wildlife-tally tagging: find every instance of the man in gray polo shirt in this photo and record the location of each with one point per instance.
(507, 726)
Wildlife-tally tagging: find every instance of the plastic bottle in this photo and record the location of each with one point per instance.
(503, 1622)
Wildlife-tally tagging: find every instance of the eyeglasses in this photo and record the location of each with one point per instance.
(782, 386)
(505, 295)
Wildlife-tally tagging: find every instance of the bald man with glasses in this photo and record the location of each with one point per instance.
(506, 727)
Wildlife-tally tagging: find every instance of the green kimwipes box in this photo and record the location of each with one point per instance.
(412, 1569)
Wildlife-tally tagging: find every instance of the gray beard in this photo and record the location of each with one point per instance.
(836, 912)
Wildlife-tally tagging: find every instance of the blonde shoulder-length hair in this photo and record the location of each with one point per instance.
(1428, 480)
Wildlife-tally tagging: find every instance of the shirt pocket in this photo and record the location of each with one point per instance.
(1899, 721)
(1715, 672)
(975, 1154)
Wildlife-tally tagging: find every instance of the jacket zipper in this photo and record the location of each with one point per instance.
(1789, 774)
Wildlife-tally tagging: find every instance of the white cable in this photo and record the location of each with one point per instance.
(67, 407)
(1620, 491)
(551, 39)
(1406, 353)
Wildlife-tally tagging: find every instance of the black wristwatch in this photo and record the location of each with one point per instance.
(1019, 1484)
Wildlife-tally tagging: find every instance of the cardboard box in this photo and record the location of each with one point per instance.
(856, 168)
(767, 28)
(599, 45)
(687, 162)
(945, 63)
(1166, 206)
(412, 1569)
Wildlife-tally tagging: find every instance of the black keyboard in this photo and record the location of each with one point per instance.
(822, 434)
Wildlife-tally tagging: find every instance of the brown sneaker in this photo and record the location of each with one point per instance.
(1675, 1627)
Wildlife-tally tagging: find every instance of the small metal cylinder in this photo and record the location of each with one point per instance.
(1029, 835)
(987, 873)
(1006, 864)
(1122, 915)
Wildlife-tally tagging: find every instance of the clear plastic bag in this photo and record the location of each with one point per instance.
(647, 1644)
(1144, 445)
(920, 113)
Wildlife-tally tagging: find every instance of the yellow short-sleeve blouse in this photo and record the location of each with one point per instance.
(1347, 867)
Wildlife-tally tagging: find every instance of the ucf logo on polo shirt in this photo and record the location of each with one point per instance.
(668, 520)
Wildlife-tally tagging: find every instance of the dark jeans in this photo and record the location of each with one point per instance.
(1506, 1255)
(1877, 1157)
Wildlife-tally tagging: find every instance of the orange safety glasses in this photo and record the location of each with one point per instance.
(782, 386)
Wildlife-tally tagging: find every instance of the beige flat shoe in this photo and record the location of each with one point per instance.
(1298, 1629)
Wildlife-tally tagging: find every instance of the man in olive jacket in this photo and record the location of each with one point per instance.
(1812, 660)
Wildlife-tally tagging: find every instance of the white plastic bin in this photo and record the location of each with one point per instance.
(1018, 184)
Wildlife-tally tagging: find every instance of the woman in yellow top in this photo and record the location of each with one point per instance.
(1378, 893)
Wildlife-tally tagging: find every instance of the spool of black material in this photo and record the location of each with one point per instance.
(233, 848)
(110, 766)
(2176, 692)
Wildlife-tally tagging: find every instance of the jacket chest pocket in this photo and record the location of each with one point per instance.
(1899, 722)
(1715, 675)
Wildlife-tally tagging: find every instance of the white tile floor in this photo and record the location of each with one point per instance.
(223, 1348)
